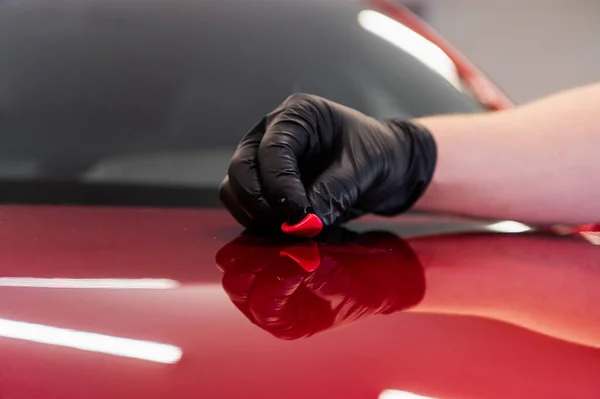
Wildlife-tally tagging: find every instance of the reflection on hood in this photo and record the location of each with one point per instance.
(355, 275)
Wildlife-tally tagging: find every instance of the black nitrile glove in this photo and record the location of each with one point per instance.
(311, 155)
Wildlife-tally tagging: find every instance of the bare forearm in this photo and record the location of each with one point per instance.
(536, 163)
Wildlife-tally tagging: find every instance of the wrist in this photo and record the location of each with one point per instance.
(420, 151)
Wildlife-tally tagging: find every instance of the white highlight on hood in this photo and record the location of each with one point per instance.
(592, 236)
(410, 41)
(508, 226)
(396, 394)
(90, 283)
(91, 342)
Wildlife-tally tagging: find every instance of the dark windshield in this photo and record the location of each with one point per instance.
(156, 93)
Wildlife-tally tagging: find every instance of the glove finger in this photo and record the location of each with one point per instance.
(232, 204)
(244, 189)
(290, 137)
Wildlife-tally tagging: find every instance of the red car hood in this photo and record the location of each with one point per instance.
(121, 302)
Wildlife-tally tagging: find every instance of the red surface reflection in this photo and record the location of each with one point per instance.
(533, 295)
(536, 281)
(355, 275)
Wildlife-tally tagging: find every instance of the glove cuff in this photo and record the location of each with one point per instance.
(421, 163)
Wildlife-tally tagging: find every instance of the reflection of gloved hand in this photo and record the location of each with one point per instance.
(314, 153)
(357, 276)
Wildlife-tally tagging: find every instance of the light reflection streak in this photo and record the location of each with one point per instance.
(410, 41)
(508, 226)
(90, 342)
(396, 394)
(593, 237)
(90, 283)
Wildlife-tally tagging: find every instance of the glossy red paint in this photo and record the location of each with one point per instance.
(358, 275)
(481, 86)
(491, 315)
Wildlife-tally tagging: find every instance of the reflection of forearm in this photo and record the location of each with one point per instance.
(535, 163)
(538, 283)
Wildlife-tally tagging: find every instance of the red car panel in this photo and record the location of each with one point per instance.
(498, 315)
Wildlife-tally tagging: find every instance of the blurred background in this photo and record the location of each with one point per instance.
(143, 102)
(530, 48)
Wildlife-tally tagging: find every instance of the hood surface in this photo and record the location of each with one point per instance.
(151, 303)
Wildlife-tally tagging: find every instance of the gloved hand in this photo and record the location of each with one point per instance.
(311, 155)
(357, 275)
